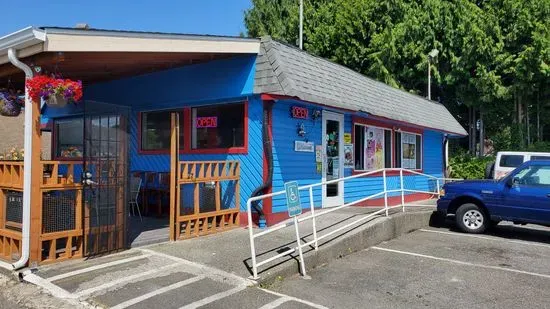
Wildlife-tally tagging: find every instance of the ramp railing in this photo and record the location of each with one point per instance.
(421, 183)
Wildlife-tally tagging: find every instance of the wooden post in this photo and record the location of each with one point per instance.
(174, 147)
(36, 192)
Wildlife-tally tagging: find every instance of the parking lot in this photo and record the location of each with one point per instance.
(437, 267)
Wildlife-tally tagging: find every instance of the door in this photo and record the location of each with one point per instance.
(333, 158)
(529, 195)
(105, 177)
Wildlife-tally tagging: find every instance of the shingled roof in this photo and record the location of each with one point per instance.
(285, 70)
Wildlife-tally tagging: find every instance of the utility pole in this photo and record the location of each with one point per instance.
(301, 39)
(431, 56)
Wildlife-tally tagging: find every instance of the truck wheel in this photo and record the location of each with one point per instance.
(470, 218)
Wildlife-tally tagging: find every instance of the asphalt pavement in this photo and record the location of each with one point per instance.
(437, 268)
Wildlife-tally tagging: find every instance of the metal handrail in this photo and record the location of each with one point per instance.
(314, 214)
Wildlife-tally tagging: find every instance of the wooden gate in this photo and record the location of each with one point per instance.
(205, 195)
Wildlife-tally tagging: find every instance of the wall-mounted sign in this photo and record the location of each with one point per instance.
(207, 122)
(319, 153)
(347, 138)
(348, 156)
(302, 146)
(299, 112)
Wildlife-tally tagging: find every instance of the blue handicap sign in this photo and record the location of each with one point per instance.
(293, 199)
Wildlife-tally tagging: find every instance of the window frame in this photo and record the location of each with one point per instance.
(421, 150)
(142, 151)
(54, 136)
(392, 148)
(186, 123)
(394, 128)
(230, 150)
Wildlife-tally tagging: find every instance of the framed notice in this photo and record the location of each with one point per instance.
(348, 156)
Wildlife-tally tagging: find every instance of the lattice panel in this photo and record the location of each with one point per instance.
(14, 207)
(58, 211)
(207, 224)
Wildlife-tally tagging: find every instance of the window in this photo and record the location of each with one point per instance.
(409, 150)
(534, 176)
(511, 160)
(69, 138)
(373, 148)
(155, 131)
(538, 158)
(218, 127)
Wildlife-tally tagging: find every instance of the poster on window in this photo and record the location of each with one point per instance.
(374, 150)
(408, 142)
(348, 156)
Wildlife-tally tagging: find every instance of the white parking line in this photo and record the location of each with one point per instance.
(276, 303)
(486, 238)
(165, 289)
(113, 283)
(462, 262)
(303, 301)
(213, 298)
(97, 267)
(210, 272)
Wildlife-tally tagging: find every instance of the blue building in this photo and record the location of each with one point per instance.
(281, 113)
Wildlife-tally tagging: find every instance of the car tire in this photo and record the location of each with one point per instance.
(470, 218)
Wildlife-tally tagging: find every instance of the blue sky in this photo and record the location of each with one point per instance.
(222, 17)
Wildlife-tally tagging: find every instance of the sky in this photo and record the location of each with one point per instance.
(217, 17)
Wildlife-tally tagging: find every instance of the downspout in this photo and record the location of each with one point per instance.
(26, 163)
(269, 158)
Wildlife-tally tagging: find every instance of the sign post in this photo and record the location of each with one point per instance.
(294, 210)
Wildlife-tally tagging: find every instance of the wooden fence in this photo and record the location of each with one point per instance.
(207, 199)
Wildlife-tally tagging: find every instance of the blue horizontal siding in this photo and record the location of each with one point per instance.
(290, 165)
(217, 81)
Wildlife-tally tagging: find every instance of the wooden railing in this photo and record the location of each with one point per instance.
(62, 186)
(197, 219)
(11, 175)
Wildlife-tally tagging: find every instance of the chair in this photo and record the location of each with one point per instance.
(135, 187)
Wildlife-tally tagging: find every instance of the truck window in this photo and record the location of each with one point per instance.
(534, 176)
(538, 158)
(511, 160)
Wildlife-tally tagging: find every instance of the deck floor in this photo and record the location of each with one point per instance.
(149, 231)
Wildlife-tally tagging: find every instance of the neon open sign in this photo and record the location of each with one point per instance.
(207, 122)
(299, 112)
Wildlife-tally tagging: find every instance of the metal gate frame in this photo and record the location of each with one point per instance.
(106, 177)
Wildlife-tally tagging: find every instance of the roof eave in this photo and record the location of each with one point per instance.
(21, 39)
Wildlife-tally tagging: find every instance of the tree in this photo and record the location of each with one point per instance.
(493, 53)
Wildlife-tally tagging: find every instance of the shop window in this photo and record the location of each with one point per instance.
(69, 138)
(218, 127)
(155, 131)
(409, 150)
(373, 148)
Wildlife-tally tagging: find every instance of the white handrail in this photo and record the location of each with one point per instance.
(314, 214)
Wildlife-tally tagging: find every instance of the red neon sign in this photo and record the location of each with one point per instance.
(300, 112)
(207, 122)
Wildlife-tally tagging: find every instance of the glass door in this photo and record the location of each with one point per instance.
(333, 159)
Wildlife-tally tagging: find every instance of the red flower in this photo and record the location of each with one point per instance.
(42, 86)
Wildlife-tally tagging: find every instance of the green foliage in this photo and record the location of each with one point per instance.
(492, 52)
(466, 166)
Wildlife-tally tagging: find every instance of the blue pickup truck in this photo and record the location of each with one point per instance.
(522, 196)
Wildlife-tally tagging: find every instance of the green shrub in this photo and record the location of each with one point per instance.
(466, 166)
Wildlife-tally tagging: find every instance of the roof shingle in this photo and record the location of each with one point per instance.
(286, 70)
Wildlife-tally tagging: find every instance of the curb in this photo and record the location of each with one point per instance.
(367, 235)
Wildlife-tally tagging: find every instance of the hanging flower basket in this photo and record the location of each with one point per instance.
(56, 92)
(10, 104)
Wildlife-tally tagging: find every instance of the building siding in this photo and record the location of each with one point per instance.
(220, 81)
(290, 165)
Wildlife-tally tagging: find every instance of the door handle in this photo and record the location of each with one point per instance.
(548, 195)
